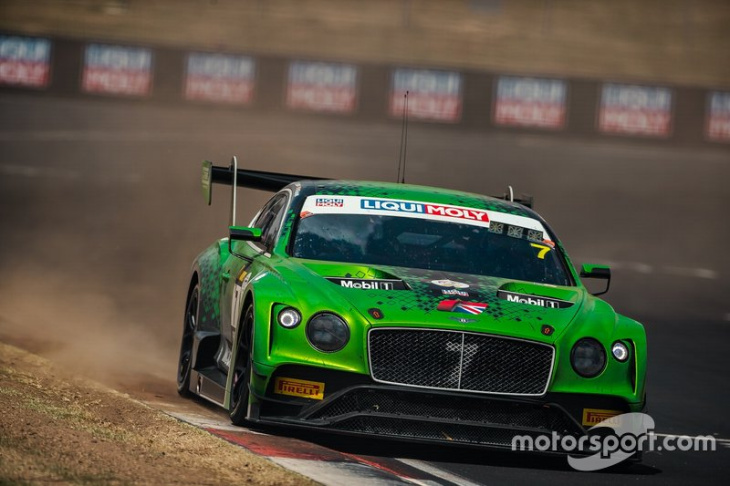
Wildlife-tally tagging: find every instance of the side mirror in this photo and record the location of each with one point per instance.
(242, 233)
(588, 270)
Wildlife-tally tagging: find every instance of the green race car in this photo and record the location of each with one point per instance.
(403, 311)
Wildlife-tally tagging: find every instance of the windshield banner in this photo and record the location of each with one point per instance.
(530, 102)
(220, 78)
(635, 110)
(321, 86)
(718, 116)
(415, 209)
(432, 95)
(25, 61)
(117, 70)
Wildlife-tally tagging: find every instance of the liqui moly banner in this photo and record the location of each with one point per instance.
(718, 116)
(220, 78)
(321, 86)
(530, 102)
(635, 110)
(117, 70)
(25, 61)
(432, 95)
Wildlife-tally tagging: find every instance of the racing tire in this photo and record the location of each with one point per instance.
(185, 361)
(242, 371)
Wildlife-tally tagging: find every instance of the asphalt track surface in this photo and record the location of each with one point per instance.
(100, 198)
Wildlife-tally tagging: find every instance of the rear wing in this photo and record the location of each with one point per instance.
(251, 179)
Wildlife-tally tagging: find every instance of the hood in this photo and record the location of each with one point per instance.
(398, 296)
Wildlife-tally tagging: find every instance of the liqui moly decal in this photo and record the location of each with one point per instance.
(321, 86)
(426, 208)
(530, 102)
(341, 204)
(432, 95)
(117, 70)
(25, 61)
(635, 110)
(718, 116)
(220, 78)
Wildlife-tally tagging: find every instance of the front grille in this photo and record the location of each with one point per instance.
(455, 360)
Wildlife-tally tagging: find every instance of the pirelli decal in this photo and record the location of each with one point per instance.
(594, 416)
(299, 388)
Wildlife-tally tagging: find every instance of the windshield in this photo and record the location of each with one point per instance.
(499, 250)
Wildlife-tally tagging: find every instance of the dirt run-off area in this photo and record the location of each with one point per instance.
(60, 429)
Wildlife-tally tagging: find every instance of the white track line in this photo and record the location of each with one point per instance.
(438, 472)
(337, 473)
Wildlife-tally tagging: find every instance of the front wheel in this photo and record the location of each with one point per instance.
(185, 361)
(242, 371)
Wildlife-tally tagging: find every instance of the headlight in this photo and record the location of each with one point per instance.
(327, 332)
(289, 317)
(588, 357)
(620, 351)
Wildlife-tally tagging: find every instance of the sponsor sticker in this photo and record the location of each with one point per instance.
(457, 292)
(220, 78)
(420, 210)
(425, 208)
(117, 70)
(530, 102)
(474, 308)
(594, 416)
(432, 95)
(450, 284)
(332, 202)
(322, 86)
(25, 61)
(368, 284)
(718, 116)
(635, 110)
(375, 313)
(299, 388)
(536, 300)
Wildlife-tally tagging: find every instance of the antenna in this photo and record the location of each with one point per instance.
(234, 166)
(403, 143)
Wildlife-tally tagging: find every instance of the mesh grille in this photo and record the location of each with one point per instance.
(460, 361)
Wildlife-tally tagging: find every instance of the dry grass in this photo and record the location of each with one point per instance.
(61, 430)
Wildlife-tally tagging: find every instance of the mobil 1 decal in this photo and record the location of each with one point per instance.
(368, 283)
(536, 300)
